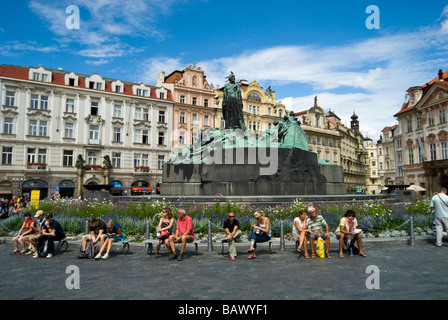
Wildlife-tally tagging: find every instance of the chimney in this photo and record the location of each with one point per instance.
(440, 75)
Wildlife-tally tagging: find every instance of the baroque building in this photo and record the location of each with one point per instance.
(61, 130)
(336, 143)
(194, 104)
(423, 135)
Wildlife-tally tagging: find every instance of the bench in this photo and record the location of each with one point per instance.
(258, 243)
(149, 246)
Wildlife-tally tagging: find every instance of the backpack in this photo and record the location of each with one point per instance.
(353, 245)
(92, 250)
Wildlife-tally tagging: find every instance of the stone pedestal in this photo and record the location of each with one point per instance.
(242, 172)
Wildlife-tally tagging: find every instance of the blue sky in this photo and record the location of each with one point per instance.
(300, 48)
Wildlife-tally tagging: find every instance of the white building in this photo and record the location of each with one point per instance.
(60, 130)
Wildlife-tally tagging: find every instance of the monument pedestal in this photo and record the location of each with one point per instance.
(295, 172)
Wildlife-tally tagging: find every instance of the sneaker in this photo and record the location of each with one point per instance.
(98, 256)
(173, 256)
(30, 252)
(49, 256)
(156, 255)
(105, 256)
(35, 255)
(82, 255)
(181, 257)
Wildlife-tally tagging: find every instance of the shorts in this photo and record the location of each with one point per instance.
(314, 237)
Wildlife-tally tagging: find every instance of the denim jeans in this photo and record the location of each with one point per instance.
(259, 238)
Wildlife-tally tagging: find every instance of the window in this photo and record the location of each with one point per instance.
(182, 99)
(194, 101)
(34, 101)
(31, 155)
(161, 138)
(32, 129)
(431, 121)
(444, 147)
(67, 158)
(206, 120)
(139, 92)
(43, 102)
(205, 102)
(420, 155)
(117, 111)
(70, 105)
(160, 162)
(411, 156)
(44, 77)
(145, 114)
(71, 82)
(141, 136)
(280, 113)
(433, 152)
(182, 117)
(141, 160)
(162, 116)
(419, 122)
(94, 133)
(162, 95)
(8, 126)
(117, 135)
(68, 131)
(92, 157)
(43, 128)
(6, 155)
(94, 108)
(118, 89)
(116, 159)
(195, 118)
(36, 76)
(182, 137)
(409, 125)
(10, 98)
(442, 115)
(399, 144)
(145, 160)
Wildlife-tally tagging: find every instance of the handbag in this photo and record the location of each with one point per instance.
(163, 234)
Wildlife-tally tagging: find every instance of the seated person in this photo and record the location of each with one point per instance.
(113, 234)
(51, 231)
(347, 231)
(97, 232)
(261, 232)
(317, 224)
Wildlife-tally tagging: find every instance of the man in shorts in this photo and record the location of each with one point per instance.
(97, 232)
(184, 233)
(316, 224)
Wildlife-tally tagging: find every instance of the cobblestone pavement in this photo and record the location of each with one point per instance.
(404, 273)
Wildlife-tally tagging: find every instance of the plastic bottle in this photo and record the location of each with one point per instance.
(124, 234)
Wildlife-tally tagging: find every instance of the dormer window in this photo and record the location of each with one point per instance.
(141, 90)
(40, 74)
(95, 82)
(117, 86)
(71, 79)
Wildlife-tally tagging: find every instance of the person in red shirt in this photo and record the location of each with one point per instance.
(184, 233)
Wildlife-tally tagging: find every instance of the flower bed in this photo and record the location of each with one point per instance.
(374, 217)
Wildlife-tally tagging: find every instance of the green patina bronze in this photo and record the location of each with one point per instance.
(232, 105)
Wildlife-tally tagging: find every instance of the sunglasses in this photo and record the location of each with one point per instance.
(231, 216)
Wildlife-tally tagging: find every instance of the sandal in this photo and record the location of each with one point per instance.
(252, 256)
(251, 250)
(341, 256)
(328, 255)
(15, 252)
(313, 256)
(362, 254)
(307, 256)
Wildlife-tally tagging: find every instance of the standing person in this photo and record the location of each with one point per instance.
(51, 231)
(440, 203)
(261, 232)
(113, 234)
(27, 230)
(164, 230)
(231, 227)
(31, 240)
(316, 224)
(97, 232)
(184, 233)
(347, 230)
(299, 232)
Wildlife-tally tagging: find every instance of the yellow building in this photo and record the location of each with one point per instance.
(259, 107)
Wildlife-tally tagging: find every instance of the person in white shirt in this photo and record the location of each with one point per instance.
(440, 205)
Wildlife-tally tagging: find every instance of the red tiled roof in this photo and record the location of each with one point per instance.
(58, 78)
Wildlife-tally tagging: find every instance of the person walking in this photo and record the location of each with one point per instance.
(440, 205)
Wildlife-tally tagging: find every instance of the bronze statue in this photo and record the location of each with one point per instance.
(232, 105)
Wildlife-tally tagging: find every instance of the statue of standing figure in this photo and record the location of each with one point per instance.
(232, 105)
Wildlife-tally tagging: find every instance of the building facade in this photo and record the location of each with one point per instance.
(386, 156)
(194, 104)
(61, 130)
(424, 134)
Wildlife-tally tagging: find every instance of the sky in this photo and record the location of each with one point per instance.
(352, 58)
